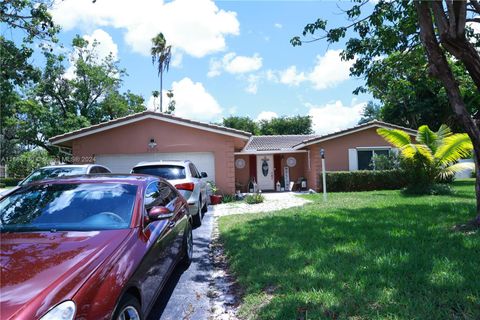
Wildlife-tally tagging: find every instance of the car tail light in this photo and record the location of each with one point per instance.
(189, 186)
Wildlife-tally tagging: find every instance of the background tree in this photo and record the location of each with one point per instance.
(171, 102)
(58, 103)
(16, 72)
(241, 123)
(286, 125)
(161, 55)
(440, 28)
(372, 111)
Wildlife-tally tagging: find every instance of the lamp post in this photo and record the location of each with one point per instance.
(324, 175)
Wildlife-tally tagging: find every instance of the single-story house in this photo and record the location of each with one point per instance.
(230, 157)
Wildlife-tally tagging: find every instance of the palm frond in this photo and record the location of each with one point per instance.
(443, 132)
(454, 147)
(454, 168)
(397, 138)
(427, 137)
(411, 150)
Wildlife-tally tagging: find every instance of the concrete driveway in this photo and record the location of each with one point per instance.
(185, 295)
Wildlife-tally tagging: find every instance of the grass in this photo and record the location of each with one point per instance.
(364, 255)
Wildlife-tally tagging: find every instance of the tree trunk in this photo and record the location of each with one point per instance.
(440, 68)
(161, 94)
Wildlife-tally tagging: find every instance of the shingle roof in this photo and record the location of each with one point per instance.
(141, 115)
(294, 142)
(284, 142)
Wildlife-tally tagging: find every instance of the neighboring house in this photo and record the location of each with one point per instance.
(230, 157)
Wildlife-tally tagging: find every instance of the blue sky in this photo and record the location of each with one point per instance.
(230, 57)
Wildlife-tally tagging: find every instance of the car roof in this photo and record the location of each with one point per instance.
(137, 179)
(162, 162)
(71, 166)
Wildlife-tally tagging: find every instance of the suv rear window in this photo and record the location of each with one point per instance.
(169, 172)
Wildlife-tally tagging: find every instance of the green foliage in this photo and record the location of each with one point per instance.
(241, 123)
(254, 198)
(161, 54)
(9, 182)
(2, 185)
(55, 104)
(227, 198)
(286, 125)
(410, 97)
(365, 180)
(384, 162)
(212, 186)
(370, 112)
(275, 126)
(433, 159)
(360, 255)
(24, 164)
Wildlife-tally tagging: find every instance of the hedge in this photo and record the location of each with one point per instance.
(10, 182)
(365, 180)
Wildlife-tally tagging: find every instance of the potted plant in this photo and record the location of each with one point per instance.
(214, 197)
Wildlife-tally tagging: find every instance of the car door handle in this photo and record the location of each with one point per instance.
(171, 224)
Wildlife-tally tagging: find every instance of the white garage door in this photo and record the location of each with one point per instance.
(123, 163)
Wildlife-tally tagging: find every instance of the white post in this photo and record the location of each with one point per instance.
(324, 175)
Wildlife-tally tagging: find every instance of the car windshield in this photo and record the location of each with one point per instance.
(48, 173)
(169, 172)
(68, 207)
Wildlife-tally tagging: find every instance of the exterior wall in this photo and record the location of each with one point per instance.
(242, 176)
(336, 152)
(134, 138)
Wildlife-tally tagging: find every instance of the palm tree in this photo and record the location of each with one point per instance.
(161, 54)
(436, 154)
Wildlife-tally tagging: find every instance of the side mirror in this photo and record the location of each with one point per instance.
(204, 174)
(159, 213)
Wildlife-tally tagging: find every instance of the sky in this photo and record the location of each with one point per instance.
(229, 57)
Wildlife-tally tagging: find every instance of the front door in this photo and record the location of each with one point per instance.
(265, 173)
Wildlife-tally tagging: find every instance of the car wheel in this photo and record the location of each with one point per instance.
(128, 309)
(204, 208)
(188, 247)
(197, 219)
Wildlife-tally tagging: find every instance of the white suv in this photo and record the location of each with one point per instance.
(186, 178)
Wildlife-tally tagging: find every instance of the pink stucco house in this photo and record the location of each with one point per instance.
(230, 157)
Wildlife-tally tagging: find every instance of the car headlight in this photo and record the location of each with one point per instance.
(62, 311)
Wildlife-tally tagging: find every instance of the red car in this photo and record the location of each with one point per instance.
(90, 247)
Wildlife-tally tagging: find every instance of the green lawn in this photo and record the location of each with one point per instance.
(365, 255)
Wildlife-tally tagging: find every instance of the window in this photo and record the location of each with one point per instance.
(364, 157)
(169, 172)
(160, 194)
(194, 171)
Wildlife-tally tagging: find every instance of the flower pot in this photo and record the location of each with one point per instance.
(215, 199)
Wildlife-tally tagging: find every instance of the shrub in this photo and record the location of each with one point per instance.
(10, 182)
(228, 198)
(383, 162)
(365, 180)
(473, 174)
(2, 185)
(254, 198)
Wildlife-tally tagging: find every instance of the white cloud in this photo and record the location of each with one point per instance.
(193, 101)
(334, 116)
(196, 27)
(266, 115)
(278, 25)
(234, 64)
(290, 76)
(328, 72)
(252, 84)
